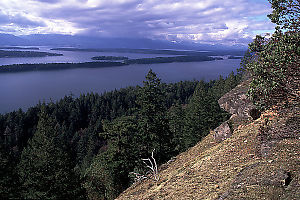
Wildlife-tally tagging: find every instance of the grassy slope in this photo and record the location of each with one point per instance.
(232, 169)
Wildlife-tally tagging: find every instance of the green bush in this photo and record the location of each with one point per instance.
(274, 67)
(274, 62)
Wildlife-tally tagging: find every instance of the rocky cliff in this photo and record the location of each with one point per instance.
(251, 156)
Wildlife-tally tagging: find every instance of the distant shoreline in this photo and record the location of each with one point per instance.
(62, 66)
(56, 66)
(109, 58)
(25, 48)
(105, 61)
(26, 54)
(157, 51)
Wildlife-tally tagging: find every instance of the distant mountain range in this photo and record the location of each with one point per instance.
(97, 42)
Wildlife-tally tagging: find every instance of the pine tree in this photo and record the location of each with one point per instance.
(195, 117)
(230, 82)
(45, 169)
(176, 122)
(218, 87)
(202, 114)
(108, 174)
(153, 123)
(8, 176)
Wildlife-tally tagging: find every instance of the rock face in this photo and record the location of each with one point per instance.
(238, 104)
(222, 132)
(270, 176)
(269, 136)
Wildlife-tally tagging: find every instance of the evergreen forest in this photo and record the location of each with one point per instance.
(90, 147)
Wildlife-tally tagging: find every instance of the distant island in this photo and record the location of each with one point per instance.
(56, 66)
(27, 48)
(159, 51)
(157, 59)
(235, 57)
(16, 54)
(170, 59)
(125, 61)
(110, 58)
(124, 50)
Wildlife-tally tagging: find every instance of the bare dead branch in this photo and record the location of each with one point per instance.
(152, 165)
(138, 177)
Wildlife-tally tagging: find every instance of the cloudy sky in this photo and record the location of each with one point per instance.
(211, 21)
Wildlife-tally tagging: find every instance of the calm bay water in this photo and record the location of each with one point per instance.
(26, 89)
(70, 56)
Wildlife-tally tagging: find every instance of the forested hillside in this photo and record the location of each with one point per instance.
(255, 154)
(87, 147)
(96, 146)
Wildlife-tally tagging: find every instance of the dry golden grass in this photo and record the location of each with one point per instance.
(232, 169)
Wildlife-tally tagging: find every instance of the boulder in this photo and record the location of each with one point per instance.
(222, 132)
(237, 103)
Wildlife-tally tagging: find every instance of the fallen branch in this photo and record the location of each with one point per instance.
(138, 177)
(152, 165)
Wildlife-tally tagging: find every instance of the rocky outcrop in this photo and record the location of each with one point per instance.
(263, 175)
(222, 132)
(236, 101)
(287, 128)
(239, 105)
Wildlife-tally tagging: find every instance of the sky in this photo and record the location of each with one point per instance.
(203, 21)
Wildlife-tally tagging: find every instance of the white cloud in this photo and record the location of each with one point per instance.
(198, 20)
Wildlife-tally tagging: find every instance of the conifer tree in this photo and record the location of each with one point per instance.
(218, 88)
(202, 114)
(195, 114)
(8, 177)
(176, 122)
(230, 82)
(153, 123)
(45, 170)
(108, 174)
